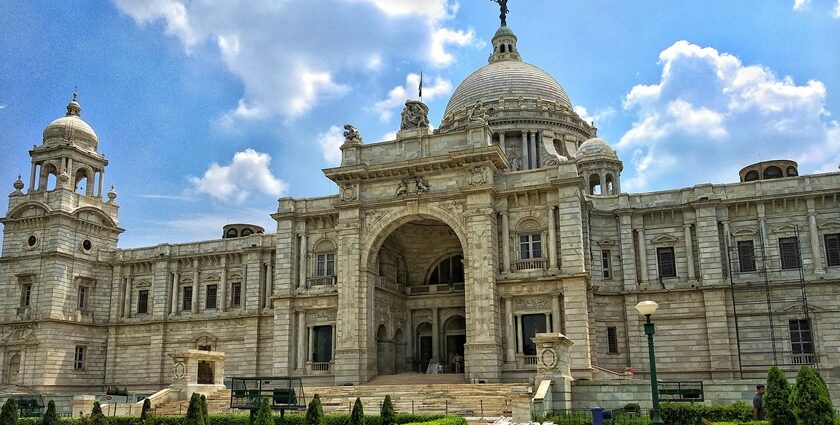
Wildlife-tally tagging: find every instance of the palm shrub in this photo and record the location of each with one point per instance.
(313, 416)
(357, 416)
(194, 411)
(144, 413)
(777, 399)
(264, 416)
(810, 400)
(386, 414)
(9, 413)
(50, 416)
(96, 415)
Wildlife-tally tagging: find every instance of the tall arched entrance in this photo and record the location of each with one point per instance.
(13, 370)
(418, 279)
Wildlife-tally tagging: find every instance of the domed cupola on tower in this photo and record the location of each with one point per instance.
(527, 110)
(599, 166)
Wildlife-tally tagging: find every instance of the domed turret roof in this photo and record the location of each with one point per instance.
(595, 148)
(71, 128)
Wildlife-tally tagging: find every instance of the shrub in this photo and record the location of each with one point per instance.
(317, 399)
(204, 412)
(144, 413)
(386, 414)
(194, 411)
(264, 416)
(313, 414)
(357, 416)
(810, 401)
(96, 415)
(50, 416)
(693, 414)
(9, 413)
(777, 399)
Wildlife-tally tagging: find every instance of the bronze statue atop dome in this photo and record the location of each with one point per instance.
(503, 10)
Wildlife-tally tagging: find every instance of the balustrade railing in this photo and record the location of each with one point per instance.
(320, 366)
(442, 288)
(322, 281)
(538, 264)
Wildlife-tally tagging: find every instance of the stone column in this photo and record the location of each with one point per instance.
(310, 346)
(436, 335)
(176, 277)
(762, 225)
(555, 313)
(509, 331)
(302, 260)
(628, 251)
(502, 143)
(520, 345)
(195, 287)
(269, 283)
(643, 256)
(526, 158)
(223, 283)
(603, 179)
(32, 178)
(689, 251)
(333, 336)
(813, 237)
(505, 242)
(535, 153)
(301, 340)
(552, 240)
(101, 180)
(127, 306)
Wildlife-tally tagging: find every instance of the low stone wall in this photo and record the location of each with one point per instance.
(616, 394)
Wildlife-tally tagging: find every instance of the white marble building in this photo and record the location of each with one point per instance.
(462, 242)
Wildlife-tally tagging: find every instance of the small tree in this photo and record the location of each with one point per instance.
(357, 417)
(386, 414)
(144, 413)
(264, 416)
(194, 411)
(50, 417)
(313, 416)
(96, 415)
(777, 399)
(9, 413)
(317, 399)
(204, 412)
(810, 401)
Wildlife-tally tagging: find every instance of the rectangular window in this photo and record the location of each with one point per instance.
(83, 294)
(606, 269)
(325, 265)
(832, 249)
(789, 253)
(26, 295)
(186, 304)
(801, 341)
(532, 324)
(322, 339)
(612, 339)
(667, 264)
(143, 301)
(746, 256)
(79, 358)
(530, 247)
(210, 299)
(236, 294)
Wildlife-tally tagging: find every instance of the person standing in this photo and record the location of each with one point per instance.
(758, 403)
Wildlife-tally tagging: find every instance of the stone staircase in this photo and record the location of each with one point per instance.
(217, 402)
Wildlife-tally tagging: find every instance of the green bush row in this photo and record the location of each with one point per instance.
(692, 414)
(242, 419)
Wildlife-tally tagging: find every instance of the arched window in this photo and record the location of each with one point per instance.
(773, 172)
(610, 189)
(247, 232)
(324, 258)
(791, 171)
(81, 181)
(595, 185)
(231, 233)
(503, 48)
(751, 176)
(448, 270)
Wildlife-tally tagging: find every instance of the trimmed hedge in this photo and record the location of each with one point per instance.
(692, 414)
(242, 419)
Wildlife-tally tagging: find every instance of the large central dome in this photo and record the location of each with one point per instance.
(507, 79)
(506, 76)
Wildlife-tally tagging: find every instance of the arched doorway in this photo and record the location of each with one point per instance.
(455, 336)
(384, 352)
(424, 346)
(399, 352)
(13, 370)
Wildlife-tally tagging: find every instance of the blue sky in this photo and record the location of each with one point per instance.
(208, 111)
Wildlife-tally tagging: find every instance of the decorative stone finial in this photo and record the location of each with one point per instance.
(593, 130)
(352, 136)
(73, 108)
(18, 185)
(414, 115)
(64, 180)
(112, 195)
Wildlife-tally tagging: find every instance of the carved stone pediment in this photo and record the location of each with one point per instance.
(20, 335)
(664, 240)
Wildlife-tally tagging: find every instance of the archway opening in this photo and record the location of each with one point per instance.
(595, 185)
(384, 352)
(13, 370)
(455, 336)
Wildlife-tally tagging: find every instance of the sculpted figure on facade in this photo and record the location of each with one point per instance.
(414, 115)
(478, 114)
(412, 185)
(352, 136)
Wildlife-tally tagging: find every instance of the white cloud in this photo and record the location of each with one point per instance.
(432, 89)
(800, 4)
(599, 116)
(248, 173)
(330, 142)
(191, 227)
(286, 67)
(710, 115)
(837, 10)
(387, 137)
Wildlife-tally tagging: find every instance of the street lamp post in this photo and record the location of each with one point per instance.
(647, 308)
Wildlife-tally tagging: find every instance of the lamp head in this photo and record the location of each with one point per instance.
(647, 308)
